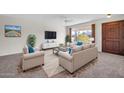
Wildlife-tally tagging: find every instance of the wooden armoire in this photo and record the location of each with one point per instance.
(113, 37)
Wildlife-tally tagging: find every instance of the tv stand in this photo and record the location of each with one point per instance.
(50, 45)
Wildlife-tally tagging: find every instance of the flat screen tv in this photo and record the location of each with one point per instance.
(50, 35)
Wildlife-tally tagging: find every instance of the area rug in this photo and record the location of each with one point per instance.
(51, 64)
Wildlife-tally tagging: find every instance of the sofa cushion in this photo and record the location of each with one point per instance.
(92, 45)
(86, 46)
(32, 55)
(65, 55)
(77, 48)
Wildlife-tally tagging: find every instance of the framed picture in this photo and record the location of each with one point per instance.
(12, 31)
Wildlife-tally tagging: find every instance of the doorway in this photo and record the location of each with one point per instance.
(113, 37)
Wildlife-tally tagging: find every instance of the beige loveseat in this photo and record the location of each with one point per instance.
(31, 60)
(78, 59)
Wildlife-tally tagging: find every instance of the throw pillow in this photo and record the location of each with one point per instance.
(69, 51)
(30, 48)
(79, 43)
(25, 49)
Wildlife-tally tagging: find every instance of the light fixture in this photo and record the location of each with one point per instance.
(67, 20)
(109, 15)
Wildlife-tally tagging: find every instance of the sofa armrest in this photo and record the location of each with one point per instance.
(65, 55)
(33, 55)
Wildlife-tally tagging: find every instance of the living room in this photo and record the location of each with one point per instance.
(30, 24)
(54, 46)
(53, 32)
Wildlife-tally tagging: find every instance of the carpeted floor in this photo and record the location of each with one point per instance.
(106, 66)
(51, 62)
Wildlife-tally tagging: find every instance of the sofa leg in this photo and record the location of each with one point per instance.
(96, 58)
(72, 73)
(24, 70)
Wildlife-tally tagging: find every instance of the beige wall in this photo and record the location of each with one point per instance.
(37, 26)
(33, 25)
(98, 23)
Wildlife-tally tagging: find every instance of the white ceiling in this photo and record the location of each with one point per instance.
(68, 19)
(72, 19)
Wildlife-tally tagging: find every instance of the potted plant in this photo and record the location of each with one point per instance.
(67, 40)
(31, 40)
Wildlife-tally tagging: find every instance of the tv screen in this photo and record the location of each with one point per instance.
(50, 35)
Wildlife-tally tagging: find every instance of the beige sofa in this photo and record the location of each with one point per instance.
(78, 59)
(31, 60)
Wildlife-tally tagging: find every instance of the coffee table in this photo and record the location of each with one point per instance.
(57, 49)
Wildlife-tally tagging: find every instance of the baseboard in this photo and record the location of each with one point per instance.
(11, 54)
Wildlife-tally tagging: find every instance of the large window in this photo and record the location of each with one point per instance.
(85, 32)
(75, 34)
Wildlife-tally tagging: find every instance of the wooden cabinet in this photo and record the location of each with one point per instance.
(113, 37)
